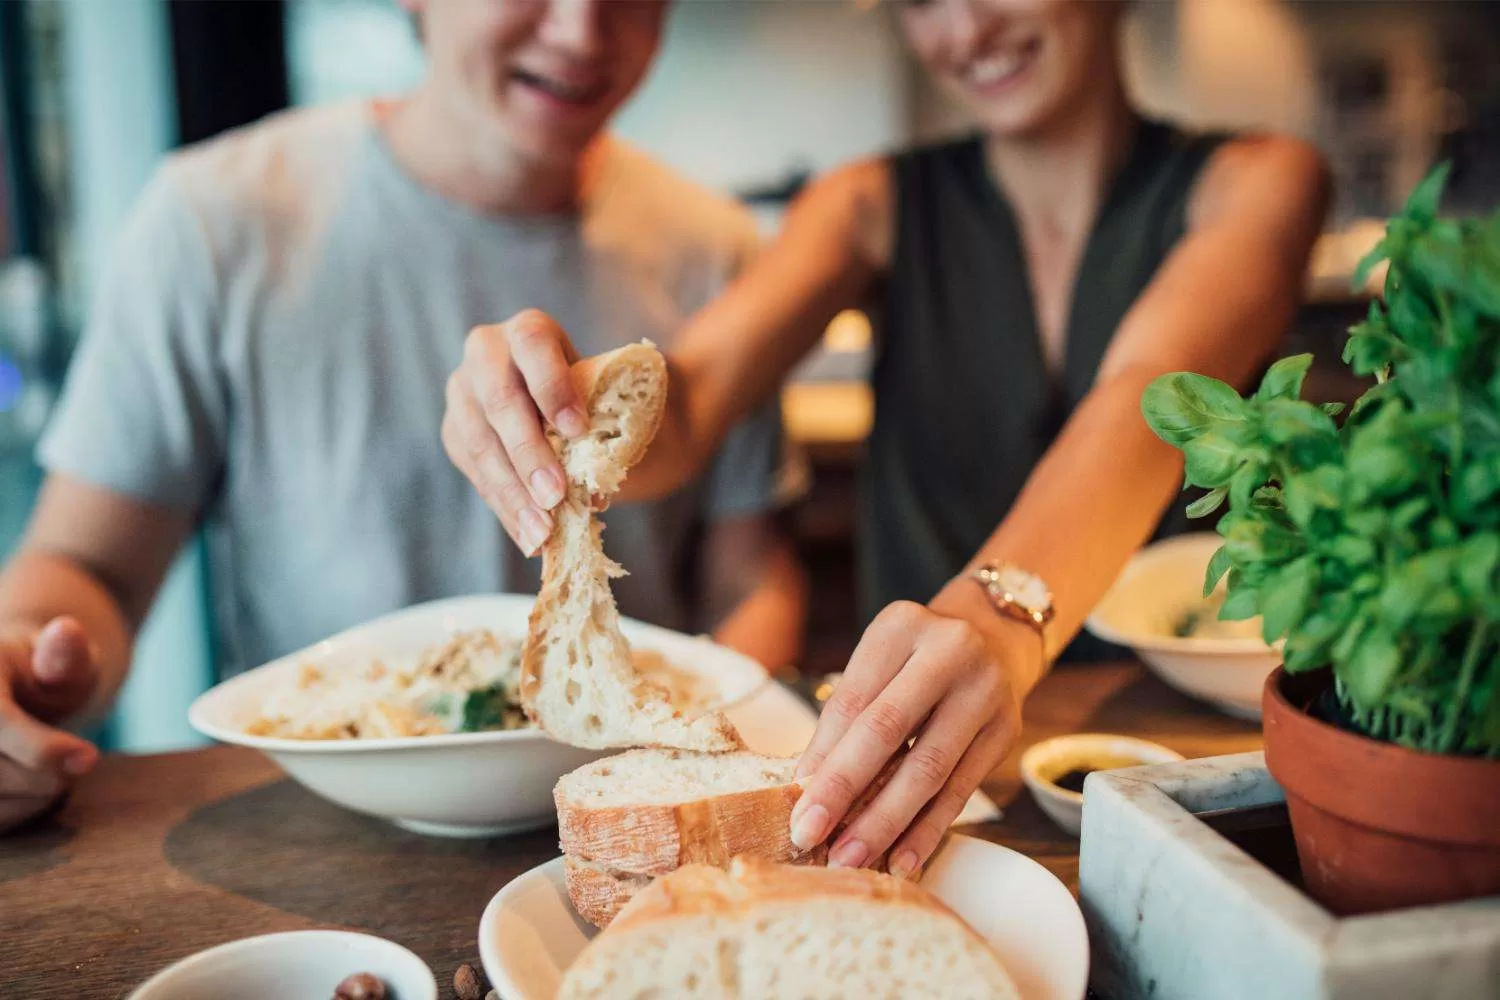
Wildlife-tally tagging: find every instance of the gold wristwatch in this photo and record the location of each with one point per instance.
(1018, 594)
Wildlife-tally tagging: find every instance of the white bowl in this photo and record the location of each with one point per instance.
(530, 934)
(1157, 585)
(1049, 760)
(459, 784)
(296, 965)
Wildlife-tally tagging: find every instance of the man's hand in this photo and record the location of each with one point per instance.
(46, 676)
(915, 673)
(515, 378)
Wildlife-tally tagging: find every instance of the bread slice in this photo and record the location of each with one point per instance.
(597, 891)
(772, 931)
(578, 683)
(649, 812)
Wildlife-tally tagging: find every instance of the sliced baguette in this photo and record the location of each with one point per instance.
(768, 931)
(649, 812)
(578, 683)
(598, 891)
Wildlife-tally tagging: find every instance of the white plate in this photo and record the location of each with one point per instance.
(529, 933)
(1159, 583)
(470, 784)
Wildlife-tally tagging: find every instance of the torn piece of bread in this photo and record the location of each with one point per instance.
(597, 891)
(650, 812)
(578, 683)
(772, 931)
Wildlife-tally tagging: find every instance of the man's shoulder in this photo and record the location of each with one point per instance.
(281, 159)
(646, 196)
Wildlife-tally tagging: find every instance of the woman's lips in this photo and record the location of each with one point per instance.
(999, 70)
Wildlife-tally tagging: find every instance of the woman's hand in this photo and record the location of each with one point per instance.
(946, 681)
(514, 379)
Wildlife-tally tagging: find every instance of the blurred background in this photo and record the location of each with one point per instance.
(748, 96)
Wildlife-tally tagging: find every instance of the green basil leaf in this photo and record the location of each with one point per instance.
(1380, 470)
(1285, 601)
(1333, 409)
(1476, 570)
(1182, 406)
(1211, 459)
(1352, 550)
(1372, 666)
(1218, 565)
(1240, 605)
(1306, 494)
(1244, 483)
(1208, 502)
(1283, 380)
(1422, 203)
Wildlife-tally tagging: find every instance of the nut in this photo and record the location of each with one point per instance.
(360, 986)
(469, 983)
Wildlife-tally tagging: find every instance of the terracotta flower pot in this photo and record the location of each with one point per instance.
(1378, 826)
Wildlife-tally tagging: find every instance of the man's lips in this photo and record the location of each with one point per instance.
(578, 93)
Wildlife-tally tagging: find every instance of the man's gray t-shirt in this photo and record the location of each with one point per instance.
(270, 347)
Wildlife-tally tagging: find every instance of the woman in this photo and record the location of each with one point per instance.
(1036, 278)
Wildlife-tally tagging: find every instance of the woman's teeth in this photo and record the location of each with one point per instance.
(996, 69)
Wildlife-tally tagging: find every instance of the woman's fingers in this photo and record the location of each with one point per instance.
(947, 735)
(63, 672)
(916, 846)
(881, 653)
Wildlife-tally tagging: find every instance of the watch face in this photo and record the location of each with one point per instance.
(1027, 589)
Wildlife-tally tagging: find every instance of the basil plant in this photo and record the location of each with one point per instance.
(1371, 545)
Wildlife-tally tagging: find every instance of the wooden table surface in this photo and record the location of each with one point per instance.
(156, 857)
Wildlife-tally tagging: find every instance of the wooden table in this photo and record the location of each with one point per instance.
(160, 856)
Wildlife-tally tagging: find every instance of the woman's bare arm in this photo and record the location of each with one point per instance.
(954, 673)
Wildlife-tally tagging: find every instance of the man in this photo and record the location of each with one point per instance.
(268, 358)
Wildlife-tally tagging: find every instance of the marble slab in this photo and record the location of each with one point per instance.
(1177, 912)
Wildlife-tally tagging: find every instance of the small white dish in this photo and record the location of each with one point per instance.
(1043, 763)
(460, 784)
(295, 965)
(1160, 583)
(529, 933)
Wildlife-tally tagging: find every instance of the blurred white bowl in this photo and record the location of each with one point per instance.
(1044, 763)
(293, 965)
(1158, 586)
(459, 784)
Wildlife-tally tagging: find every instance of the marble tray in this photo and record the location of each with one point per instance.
(1178, 911)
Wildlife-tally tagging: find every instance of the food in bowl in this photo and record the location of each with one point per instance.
(468, 684)
(1200, 620)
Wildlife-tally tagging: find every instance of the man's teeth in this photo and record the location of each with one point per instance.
(993, 69)
(561, 89)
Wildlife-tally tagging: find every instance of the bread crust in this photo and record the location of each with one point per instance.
(598, 892)
(651, 839)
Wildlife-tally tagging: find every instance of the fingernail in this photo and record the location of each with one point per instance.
(572, 422)
(849, 854)
(546, 487)
(78, 764)
(904, 863)
(534, 530)
(50, 668)
(809, 825)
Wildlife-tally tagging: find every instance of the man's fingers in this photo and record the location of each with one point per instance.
(18, 782)
(62, 672)
(503, 396)
(880, 655)
(926, 768)
(38, 747)
(915, 847)
(544, 355)
(474, 447)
